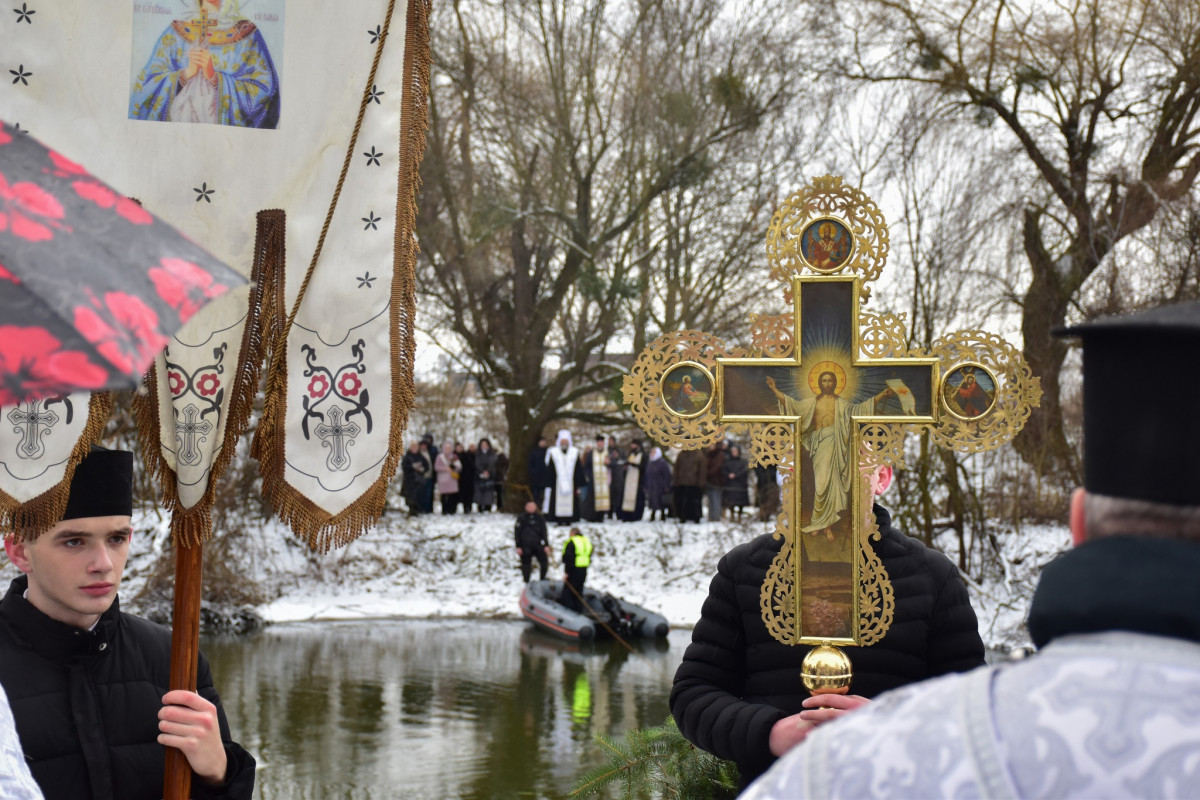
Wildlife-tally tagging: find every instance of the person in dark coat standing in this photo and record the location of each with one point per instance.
(577, 557)
(485, 475)
(531, 542)
(766, 479)
(738, 694)
(502, 465)
(658, 483)
(88, 684)
(429, 453)
(536, 466)
(632, 501)
(714, 480)
(415, 471)
(737, 482)
(688, 482)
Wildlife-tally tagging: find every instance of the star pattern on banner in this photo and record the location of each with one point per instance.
(376, 33)
(375, 94)
(17, 127)
(204, 193)
(371, 219)
(373, 157)
(24, 13)
(365, 280)
(22, 75)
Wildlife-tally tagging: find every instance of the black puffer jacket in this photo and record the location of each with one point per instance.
(86, 704)
(736, 682)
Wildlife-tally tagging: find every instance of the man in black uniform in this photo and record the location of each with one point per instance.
(88, 684)
(738, 693)
(530, 535)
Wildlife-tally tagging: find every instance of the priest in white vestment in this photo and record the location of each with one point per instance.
(564, 476)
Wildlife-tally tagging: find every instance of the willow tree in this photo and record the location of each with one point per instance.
(1099, 100)
(563, 135)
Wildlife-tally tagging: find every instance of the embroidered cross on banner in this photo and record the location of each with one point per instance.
(337, 435)
(33, 421)
(189, 433)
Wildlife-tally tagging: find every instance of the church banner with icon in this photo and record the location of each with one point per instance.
(261, 129)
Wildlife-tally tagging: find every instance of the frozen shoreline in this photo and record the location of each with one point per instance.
(464, 566)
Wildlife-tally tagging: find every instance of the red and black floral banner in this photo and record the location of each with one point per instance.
(91, 284)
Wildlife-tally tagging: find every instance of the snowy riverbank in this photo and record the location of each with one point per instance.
(464, 566)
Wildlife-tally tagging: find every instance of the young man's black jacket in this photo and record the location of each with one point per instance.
(86, 704)
(736, 682)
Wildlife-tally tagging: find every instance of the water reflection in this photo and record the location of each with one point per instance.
(425, 709)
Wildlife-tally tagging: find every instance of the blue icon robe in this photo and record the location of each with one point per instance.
(247, 85)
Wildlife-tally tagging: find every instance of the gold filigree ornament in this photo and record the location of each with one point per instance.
(777, 596)
(806, 233)
(973, 420)
(883, 446)
(771, 444)
(773, 335)
(882, 335)
(655, 388)
(876, 599)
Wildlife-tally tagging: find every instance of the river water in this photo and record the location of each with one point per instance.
(432, 709)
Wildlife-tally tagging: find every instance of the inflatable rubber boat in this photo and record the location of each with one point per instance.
(605, 614)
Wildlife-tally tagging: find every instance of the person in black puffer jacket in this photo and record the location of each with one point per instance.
(88, 684)
(738, 693)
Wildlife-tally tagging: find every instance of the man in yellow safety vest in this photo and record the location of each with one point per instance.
(577, 555)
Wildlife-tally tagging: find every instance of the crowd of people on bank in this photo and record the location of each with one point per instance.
(605, 479)
(470, 477)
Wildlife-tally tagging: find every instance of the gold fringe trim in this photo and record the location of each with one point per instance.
(319, 529)
(191, 527)
(30, 520)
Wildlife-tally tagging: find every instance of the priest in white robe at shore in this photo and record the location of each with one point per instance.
(564, 476)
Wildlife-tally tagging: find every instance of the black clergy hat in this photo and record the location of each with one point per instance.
(102, 485)
(1141, 433)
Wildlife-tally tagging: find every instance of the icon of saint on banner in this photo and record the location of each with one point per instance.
(211, 65)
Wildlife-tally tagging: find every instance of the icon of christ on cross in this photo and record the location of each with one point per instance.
(827, 392)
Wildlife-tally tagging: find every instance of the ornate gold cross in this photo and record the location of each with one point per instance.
(828, 393)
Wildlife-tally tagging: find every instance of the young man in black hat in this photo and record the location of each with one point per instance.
(1110, 707)
(88, 683)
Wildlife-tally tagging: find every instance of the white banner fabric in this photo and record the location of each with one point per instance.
(209, 111)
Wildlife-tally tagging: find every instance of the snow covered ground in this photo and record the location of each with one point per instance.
(464, 566)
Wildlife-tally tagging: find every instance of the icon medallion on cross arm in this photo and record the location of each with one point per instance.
(828, 392)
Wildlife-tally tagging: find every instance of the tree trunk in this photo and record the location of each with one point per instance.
(1043, 442)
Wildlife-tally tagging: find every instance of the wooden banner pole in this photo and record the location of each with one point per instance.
(185, 656)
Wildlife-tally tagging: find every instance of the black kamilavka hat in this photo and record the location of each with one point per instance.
(1141, 432)
(102, 485)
